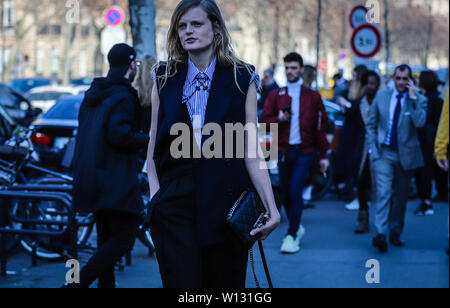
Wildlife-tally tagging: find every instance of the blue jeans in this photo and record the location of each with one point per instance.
(293, 167)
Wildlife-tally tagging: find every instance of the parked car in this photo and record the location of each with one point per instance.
(55, 129)
(17, 106)
(81, 81)
(24, 85)
(45, 97)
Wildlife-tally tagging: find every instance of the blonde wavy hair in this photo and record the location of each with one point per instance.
(143, 82)
(223, 49)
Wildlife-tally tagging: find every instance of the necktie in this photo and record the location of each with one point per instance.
(202, 78)
(394, 134)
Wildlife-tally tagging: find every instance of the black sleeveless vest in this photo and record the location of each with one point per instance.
(219, 181)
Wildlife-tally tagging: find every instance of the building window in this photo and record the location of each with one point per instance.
(8, 14)
(50, 30)
(43, 30)
(55, 29)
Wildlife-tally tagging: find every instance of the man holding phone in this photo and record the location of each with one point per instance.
(302, 122)
(395, 152)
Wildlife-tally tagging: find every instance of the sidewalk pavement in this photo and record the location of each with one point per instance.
(331, 256)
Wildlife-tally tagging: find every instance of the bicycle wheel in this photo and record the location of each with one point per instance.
(50, 248)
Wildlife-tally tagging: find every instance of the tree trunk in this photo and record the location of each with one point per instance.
(429, 35)
(143, 27)
(259, 32)
(319, 30)
(276, 36)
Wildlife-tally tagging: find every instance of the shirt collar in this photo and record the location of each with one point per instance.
(396, 93)
(193, 70)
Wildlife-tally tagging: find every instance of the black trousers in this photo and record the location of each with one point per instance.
(183, 263)
(116, 235)
(441, 181)
(364, 186)
(424, 180)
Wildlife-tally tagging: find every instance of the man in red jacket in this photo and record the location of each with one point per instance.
(302, 121)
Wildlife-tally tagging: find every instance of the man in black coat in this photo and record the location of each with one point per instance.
(106, 165)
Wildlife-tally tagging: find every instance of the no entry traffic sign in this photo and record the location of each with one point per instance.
(114, 16)
(358, 16)
(366, 41)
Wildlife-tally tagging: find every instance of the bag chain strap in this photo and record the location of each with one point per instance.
(253, 268)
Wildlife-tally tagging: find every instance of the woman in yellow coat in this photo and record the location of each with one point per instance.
(441, 144)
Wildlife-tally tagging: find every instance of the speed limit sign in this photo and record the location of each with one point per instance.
(358, 16)
(366, 41)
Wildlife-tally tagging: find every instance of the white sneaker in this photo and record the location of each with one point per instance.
(290, 245)
(352, 206)
(300, 233)
(429, 212)
(307, 193)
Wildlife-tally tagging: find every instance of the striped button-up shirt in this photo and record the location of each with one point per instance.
(195, 95)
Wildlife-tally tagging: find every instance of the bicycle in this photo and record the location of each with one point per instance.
(14, 173)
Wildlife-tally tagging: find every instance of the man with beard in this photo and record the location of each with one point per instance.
(302, 125)
(106, 165)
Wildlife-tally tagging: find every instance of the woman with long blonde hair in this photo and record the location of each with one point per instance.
(143, 83)
(202, 83)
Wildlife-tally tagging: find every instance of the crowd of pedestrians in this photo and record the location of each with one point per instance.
(385, 145)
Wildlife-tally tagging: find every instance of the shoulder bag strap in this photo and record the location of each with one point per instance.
(266, 269)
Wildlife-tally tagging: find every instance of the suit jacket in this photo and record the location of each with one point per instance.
(413, 116)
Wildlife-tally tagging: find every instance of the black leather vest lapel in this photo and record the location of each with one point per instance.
(173, 95)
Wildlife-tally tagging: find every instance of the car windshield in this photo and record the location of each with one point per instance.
(65, 109)
(47, 96)
(7, 98)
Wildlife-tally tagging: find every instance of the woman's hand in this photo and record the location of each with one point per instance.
(264, 232)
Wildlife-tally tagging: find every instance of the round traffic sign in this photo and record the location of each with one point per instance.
(114, 16)
(366, 41)
(358, 16)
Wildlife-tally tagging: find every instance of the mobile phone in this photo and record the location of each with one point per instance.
(286, 109)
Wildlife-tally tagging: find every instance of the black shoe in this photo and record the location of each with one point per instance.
(395, 240)
(380, 242)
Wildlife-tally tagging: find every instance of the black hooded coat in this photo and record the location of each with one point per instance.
(105, 165)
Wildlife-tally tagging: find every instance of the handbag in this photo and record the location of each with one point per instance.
(249, 213)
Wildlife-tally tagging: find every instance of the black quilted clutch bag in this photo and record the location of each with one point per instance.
(247, 213)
